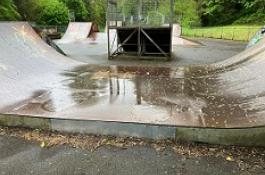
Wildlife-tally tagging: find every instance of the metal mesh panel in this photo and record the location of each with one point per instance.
(139, 12)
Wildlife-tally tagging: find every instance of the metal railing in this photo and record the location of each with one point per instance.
(59, 28)
(229, 33)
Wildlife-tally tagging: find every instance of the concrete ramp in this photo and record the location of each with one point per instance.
(76, 31)
(27, 64)
(177, 40)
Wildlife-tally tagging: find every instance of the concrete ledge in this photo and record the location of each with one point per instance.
(241, 137)
(90, 127)
(25, 122)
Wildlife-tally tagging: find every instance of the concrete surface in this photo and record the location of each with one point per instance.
(210, 51)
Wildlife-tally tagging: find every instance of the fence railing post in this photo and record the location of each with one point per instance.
(248, 34)
(222, 32)
(233, 35)
(244, 33)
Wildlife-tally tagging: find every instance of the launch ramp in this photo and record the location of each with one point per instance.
(76, 31)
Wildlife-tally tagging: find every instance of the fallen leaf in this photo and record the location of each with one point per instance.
(42, 145)
(229, 158)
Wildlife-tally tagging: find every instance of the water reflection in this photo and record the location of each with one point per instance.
(224, 95)
(196, 96)
(231, 97)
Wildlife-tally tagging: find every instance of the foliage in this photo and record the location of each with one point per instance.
(220, 12)
(8, 11)
(79, 9)
(53, 12)
(29, 9)
(186, 11)
(97, 9)
(43, 11)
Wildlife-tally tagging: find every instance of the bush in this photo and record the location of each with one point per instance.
(256, 18)
(186, 13)
(8, 11)
(78, 7)
(53, 12)
(97, 11)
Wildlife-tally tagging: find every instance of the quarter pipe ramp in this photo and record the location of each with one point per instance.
(76, 31)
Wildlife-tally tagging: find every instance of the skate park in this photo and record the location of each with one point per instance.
(220, 101)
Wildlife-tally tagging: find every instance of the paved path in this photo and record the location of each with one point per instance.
(20, 157)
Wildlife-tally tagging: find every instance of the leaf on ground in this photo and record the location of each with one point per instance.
(42, 145)
(229, 158)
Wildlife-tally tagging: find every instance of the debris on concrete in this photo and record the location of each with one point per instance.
(243, 156)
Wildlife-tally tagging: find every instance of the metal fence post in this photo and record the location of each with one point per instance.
(222, 32)
(248, 34)
(233, 35)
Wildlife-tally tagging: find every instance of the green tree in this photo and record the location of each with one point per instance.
(29, 9)
(53, 12)
(186, 12)
(253, 12)
(220, 12)
(8, 11)
(43, 11)
(98, 10)
(79, 9)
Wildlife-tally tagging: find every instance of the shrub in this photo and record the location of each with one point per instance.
(53, 12)
(78, 7)
(8, 11)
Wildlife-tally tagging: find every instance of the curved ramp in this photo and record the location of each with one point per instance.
(27, 64)
(76, 31)
(177, 40)
(38, 82)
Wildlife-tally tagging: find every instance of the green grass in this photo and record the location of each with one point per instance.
(236, 32)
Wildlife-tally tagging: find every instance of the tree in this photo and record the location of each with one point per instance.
(253, 12)
(79, 8)
(43, 11)
(8, 11)
(53, 12)
(220, 12)
(98, 10)
(186, 12)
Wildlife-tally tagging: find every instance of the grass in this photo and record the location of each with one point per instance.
(236, 32)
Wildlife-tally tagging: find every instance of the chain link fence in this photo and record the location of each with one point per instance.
(58, 28)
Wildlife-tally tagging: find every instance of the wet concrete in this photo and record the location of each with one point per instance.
(37, 81)
(210, 51)
(20, 157)
(193, 97)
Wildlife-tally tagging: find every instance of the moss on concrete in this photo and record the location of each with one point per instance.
(25, 122)
(242, 137)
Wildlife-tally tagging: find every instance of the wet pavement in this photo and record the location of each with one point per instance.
(210, 51)
(196, 97)
(37, 81)
(20, 157)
